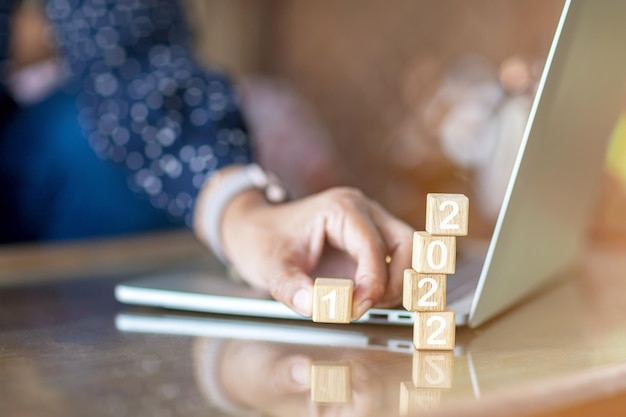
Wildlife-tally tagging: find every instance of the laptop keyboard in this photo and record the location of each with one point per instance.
(465, 279)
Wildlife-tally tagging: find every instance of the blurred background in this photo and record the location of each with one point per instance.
(397, 98)
(413, 96)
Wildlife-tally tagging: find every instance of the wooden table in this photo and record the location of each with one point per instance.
(563, 352)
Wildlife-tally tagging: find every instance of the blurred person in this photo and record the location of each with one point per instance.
(160, 142)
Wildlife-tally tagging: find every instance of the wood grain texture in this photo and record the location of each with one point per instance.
(332, 300)
(416, 287)
(434, 254)
(433, 369)
(434, 330)
(330, 382)
(414, 400)
(447, 214)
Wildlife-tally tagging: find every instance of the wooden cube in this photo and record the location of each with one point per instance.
(447, 214)
(330, 382)
(434, 330)
(434, 254)
(332, 300)
(424, 292)
(433, 369)
(414, 399)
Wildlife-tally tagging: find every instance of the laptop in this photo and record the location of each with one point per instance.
(549, 200)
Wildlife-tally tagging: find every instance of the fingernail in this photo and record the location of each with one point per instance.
(362, 308)
(302, 301)
(300, 373)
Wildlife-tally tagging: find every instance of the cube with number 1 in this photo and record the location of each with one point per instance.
(332, 300)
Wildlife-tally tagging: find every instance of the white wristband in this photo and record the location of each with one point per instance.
(249, 177)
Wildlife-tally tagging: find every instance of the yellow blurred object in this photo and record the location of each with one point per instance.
(616, 158)
(610, 222)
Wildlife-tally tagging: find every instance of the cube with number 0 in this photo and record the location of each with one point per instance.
(447, 214)
(434, 254)
(434, 330)
(423, 292)
(332, 300)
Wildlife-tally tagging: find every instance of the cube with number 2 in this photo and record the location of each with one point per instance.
(332, 300)
(434, 330)
(433, 369)
(423, 292)
(447, 214)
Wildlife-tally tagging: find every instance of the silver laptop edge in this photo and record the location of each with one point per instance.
(183, 300)
(538, 201)
(578, 98)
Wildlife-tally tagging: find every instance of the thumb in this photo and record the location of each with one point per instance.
(291, 374)
(291, 286)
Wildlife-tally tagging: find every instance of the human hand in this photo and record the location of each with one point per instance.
(269, 378)
(279, 247)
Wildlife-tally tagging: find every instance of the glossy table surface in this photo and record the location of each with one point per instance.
(68, 348)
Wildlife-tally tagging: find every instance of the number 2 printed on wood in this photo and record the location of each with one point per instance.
(434, 330)
(447, 214)
(424, 292)
(433, 369)
(434, 254)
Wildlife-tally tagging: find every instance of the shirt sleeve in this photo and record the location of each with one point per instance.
(144, 101)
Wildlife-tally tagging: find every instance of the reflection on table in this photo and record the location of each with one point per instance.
(68, 348)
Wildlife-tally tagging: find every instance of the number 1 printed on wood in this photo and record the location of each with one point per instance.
(447, 214)
(332, 300)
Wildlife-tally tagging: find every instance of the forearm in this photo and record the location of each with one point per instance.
(234, 213)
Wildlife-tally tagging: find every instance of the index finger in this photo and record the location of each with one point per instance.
(352, 230)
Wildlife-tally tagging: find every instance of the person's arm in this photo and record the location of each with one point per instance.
(145, 102)
(149, 106)
(338, 233)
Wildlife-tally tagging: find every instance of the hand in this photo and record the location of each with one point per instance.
(269, 378)
(278, 247)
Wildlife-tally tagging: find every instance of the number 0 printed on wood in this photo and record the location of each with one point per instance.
(434, 330)
(447, 214)
(434, 254)
(332, 300)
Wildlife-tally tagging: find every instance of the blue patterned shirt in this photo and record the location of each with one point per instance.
(144, 101)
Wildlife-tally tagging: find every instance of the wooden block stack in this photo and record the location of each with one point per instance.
(432, 374)
(434, 257)
(424, 293)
